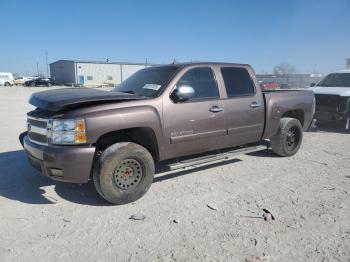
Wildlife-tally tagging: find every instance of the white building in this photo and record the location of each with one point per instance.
(86, 73)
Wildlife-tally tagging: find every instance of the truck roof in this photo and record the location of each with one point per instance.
(186, 64)
(209, 63)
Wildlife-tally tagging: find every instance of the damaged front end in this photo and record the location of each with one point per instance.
(332, 108)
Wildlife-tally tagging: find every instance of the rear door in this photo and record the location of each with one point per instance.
(245, 113)
(195, 125)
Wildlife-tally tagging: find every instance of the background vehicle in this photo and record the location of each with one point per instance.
(285, 86)
(266, 86)
(332, 95)
(159, 113)
(38, 82)
(20, 80)
(6, 79)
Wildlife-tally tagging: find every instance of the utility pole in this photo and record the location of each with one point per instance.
(47, 65)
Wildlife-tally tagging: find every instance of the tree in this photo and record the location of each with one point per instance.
(284, 69)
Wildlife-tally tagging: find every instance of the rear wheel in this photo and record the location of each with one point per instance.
(7, 84)
(123, 173)
(288, 139)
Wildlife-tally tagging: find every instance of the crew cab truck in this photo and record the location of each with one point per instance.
(166, 112)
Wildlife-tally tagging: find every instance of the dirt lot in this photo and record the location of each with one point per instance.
(42, 220)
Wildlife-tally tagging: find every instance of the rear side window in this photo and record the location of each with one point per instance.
(237, 81)
(203, 82)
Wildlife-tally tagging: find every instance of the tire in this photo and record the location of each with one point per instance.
(96, 178)
(32, 84)
(7, 84)
(288, 139)
(124, 172)
(48, 85)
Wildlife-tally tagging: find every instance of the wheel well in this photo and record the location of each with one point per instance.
(143, 136)
(298, 114)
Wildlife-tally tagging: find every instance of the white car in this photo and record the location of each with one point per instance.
(20, 80)
(332, 95)
(6, 79)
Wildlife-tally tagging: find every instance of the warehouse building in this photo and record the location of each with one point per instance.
(88, 73)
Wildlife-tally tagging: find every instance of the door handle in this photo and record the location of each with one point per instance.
(216, 109)
(255, 105)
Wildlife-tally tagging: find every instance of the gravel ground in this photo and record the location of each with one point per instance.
(308, 194)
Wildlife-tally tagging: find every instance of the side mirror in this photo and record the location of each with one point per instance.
(182, 94)
(312, 84)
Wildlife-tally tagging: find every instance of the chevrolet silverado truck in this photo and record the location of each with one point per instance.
(332, 95)
(172, 112)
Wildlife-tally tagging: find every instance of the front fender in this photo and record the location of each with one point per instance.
(103, 122)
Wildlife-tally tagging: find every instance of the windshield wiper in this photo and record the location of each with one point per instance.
(128, 92)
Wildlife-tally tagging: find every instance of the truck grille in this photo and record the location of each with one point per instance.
(331, 103)
(38, 130)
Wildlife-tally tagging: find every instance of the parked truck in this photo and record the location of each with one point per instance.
(332, 95)
(171, 112)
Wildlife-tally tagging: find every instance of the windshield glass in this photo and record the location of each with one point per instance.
(147, 82)
(336, 79)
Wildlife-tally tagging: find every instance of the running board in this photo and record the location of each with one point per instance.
(215, 157)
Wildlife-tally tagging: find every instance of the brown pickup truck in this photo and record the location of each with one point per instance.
(171, 112)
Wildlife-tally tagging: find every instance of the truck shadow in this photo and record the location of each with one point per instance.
(20, 182)
(264, 153)
(330, 127)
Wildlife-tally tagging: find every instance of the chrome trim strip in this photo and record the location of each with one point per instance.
(36, 142)
(38, 130)
(38, 118)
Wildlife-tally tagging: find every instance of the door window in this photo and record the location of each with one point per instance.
(237, 81)
(203, 82)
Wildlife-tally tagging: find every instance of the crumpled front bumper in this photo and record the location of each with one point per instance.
(63, 163)
(332, 107)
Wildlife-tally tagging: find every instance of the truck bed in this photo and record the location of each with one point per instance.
(286, 100)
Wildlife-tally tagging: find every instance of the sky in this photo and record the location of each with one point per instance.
(313, 36)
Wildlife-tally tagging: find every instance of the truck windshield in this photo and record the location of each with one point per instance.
(336, 80)
(147, 82)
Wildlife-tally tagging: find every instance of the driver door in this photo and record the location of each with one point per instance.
(197, 124)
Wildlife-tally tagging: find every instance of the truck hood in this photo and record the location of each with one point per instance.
(322, 90)
(68, 98)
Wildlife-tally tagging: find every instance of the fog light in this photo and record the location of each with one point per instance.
(56, 172)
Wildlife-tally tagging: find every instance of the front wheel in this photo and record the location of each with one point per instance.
(124, 172)
(7, 84)
(288, 139)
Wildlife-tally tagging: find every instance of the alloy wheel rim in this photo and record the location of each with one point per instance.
(293, 138)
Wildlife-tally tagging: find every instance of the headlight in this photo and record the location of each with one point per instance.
(68, 131)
